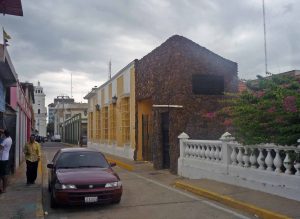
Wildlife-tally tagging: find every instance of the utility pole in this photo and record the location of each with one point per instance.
(265, 37)
(71, 86)
(63, 128)
(109, 70)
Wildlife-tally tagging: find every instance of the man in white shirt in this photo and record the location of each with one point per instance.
(5, 146)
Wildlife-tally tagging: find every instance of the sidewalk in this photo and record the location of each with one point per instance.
(260, 204)
(21, 200)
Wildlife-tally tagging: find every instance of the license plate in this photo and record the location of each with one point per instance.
(90, 199)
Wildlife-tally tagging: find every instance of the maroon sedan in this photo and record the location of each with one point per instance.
(79, 176)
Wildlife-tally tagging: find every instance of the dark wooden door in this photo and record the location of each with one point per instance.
(165, 139)
(147, 148)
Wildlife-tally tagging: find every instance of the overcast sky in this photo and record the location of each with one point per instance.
(56, 38)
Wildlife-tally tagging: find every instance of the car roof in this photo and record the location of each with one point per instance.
(79, 150)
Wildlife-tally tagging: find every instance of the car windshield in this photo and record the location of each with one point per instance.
(81, 159)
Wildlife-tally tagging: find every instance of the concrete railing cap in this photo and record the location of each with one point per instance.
(183, 136)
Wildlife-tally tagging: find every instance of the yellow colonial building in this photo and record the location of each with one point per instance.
(111, 114)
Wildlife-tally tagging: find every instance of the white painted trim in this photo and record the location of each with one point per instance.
(167, 106)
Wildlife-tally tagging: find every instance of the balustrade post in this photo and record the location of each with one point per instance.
(246, 157)
(261, 159)
(277, 161)
(253, 158)
(287, 163)
(297, 164)
(225, 149)
(240, 156)
(297, 161)
(182, 138)
(269, 160)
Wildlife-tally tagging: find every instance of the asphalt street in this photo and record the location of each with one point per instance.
(146, 194)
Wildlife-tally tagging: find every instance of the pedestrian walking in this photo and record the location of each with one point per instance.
(32, 152)
(5, 146)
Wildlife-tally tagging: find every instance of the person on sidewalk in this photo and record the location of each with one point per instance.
(4, 159)
(32, 152)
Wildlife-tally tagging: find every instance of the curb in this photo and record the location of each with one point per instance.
(120, 163)
(261, 212)
(39, 213)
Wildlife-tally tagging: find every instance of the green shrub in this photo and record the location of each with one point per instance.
(269, 111)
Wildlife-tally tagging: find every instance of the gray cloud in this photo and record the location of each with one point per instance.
(55, 38)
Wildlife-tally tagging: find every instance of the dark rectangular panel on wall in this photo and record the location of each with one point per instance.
(208, 84)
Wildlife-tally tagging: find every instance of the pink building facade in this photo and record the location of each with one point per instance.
(21, 100)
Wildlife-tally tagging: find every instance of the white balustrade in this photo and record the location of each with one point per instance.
(268, 157)
(263, 163)
(208, 150)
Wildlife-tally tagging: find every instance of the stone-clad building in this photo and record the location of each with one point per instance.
(175, 88)
(182, 73)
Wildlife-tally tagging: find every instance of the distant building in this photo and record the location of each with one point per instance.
(51, 106)
(51, 109)
(69, 117)
(40, 110)
(75, 128)
(247, 85)
(292, 73)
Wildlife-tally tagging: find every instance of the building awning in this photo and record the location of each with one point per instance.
(12, 7)
(8, 74)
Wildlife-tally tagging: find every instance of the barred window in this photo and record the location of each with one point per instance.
(98, 124)
(112, 122)
(104, 121)
(91, 136)
(125, 115)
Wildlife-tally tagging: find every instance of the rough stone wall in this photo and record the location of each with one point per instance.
(165, 76)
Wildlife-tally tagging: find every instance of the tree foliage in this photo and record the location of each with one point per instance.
(269, 111)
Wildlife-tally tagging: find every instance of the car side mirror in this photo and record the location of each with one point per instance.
(50, 165)
(112, 164)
